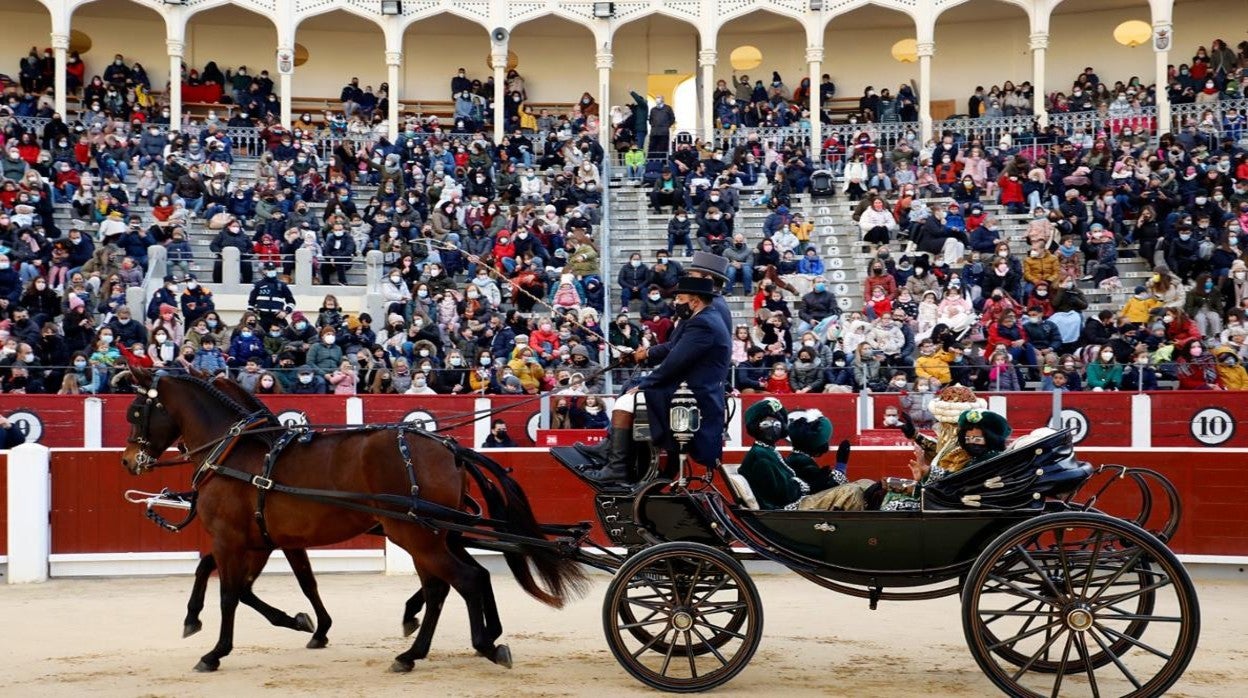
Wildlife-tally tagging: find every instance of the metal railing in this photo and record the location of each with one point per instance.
(1183, 115)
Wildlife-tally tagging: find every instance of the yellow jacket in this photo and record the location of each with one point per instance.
(1232, 377)
(802, 231)
(1137, 310)
(934, 366)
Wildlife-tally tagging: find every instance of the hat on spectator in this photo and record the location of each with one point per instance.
(709, 263)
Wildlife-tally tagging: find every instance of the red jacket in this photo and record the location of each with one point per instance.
(1011, 190)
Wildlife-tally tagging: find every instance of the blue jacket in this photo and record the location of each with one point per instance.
(699, 358)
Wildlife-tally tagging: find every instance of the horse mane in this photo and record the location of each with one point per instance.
(244, 398)
(212, 391)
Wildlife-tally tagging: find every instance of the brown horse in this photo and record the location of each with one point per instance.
(373, 462)
(297, 558)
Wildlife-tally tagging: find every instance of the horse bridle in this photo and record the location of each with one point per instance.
(140, 415)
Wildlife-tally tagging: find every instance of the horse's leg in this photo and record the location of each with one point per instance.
(471, 581)
(256, 561)
(232, 571)
(435, 591)
(489, 605)
(298, 559)
(410, 609)
(199, 589)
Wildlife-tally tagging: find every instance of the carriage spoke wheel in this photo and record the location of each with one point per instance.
(682, 617)
(1080, 604)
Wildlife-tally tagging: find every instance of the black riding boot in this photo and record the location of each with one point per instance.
(619, 451)
(598, 452)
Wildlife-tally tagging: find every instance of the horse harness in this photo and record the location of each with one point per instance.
(260, 423)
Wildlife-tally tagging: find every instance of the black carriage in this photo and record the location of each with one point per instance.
(1058, 597)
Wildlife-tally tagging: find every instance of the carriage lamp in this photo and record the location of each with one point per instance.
(684, 418)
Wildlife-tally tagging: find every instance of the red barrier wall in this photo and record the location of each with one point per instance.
(4, 504)
(90, 515)
(1185, 419)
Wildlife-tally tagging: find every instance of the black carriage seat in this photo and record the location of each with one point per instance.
(1020, 478)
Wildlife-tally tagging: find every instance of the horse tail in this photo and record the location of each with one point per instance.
(561, 577)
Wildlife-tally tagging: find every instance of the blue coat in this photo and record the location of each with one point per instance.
(657, 353)
(699, 357)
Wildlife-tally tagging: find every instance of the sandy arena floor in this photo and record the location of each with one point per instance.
(122, 637)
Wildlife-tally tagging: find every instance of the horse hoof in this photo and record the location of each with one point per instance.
(317, 643)
(409, 626)
(191, 628)
(206, 666)
(401, 667)
(502, 656)
(303, 623)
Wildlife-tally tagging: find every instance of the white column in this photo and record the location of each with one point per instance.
(925, 50)
(707, 58)
(176, 50)
(1161, 50)
(605, 60)
(30, 501)
(814, 60)
(60, 51)
(499, 56)
(285, 86)
(1039, 46)
(394, 61)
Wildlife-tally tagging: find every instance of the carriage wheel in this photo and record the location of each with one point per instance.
(716, 640)
(682, 617)
(1080, 604)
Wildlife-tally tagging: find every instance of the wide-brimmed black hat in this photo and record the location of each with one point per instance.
(696, 286)
(709, 263)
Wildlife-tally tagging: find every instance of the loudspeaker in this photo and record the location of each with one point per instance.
(499, 35)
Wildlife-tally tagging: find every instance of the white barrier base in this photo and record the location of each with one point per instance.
(161, 564)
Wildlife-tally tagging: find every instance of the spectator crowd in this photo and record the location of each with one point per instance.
(492, 281)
